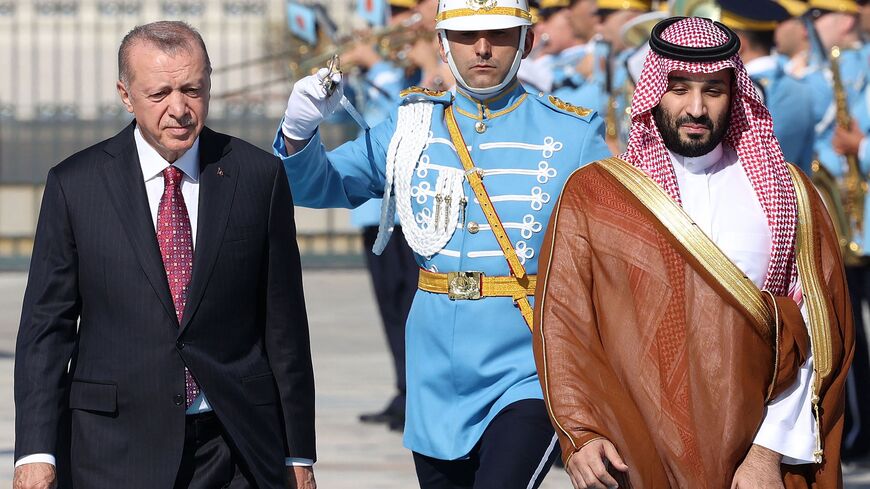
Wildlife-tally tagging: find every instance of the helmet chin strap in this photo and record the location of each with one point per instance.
(488, 91)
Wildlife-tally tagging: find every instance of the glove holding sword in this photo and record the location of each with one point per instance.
(313, 99)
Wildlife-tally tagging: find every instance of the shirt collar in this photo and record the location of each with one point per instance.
(153, 164)
(698, 164)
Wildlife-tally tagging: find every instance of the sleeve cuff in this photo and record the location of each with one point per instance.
(864, 155)
(280, 148)
(45, 458)
(298, 462)
(788, 426)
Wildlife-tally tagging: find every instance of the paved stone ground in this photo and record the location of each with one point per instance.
(352, 370)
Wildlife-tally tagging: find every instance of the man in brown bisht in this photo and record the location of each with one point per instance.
(692, 327)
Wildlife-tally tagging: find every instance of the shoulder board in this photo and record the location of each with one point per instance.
(416, 94)
(560, 105)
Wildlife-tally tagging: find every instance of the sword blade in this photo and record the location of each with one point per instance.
(354, 114)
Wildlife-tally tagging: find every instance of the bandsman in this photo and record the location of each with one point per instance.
(788, 100)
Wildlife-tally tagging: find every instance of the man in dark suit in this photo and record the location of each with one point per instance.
(163, 340)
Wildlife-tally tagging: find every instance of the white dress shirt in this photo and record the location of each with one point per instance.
(152, 165)
(718, 196)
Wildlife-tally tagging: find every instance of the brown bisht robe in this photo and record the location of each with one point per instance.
(636, 343)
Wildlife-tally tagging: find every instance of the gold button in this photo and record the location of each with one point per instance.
(480, 127)
(473, 227)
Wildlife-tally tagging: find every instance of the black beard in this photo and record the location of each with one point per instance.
(695, 146)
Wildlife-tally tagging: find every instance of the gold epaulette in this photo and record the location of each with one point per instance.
(425, 91)
(565, 106)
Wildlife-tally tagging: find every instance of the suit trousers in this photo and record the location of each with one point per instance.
(394, 277)
(515, 452)
(210, 460)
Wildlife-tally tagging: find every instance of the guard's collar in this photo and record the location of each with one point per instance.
(499, 104)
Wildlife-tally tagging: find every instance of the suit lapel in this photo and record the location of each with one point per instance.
(126, 187)
(217, 186)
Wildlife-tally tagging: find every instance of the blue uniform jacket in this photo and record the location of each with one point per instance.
(466, 359)
(790, 104)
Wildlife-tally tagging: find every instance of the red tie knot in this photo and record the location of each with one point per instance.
(172, 176)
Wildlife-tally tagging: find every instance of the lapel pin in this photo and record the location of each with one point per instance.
(220, 172)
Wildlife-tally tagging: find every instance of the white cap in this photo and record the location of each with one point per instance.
(482, 15)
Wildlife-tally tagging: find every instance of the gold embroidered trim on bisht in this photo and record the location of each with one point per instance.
(814, 293)
(698, 244)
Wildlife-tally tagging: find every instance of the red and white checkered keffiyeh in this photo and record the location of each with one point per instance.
(750, 134)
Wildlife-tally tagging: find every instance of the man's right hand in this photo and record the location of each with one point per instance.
(309, 104)
(588, 467)
(35, 476)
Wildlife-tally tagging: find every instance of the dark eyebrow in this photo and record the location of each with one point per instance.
(683, 79)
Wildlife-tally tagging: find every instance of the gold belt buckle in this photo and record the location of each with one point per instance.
(464, 285)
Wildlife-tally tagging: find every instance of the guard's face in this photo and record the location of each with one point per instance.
(833, 27)
(557, 29)
(584, 18)
(611, 25)
(693, 114)
(791, 37)
(168, 95)
(864, 18)
(484, 58)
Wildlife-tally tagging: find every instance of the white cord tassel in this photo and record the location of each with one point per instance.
(412, 133)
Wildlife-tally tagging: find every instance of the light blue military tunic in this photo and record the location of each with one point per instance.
(790, 104)
(466, 359)
(574, 88)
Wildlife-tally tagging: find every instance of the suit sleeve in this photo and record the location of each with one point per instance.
(47, 332)
(287, 339)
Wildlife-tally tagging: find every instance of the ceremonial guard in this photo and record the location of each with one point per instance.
(787, 99)
(473, 175)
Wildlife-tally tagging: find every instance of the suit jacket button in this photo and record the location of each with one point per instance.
(178, 399)
(179, 344)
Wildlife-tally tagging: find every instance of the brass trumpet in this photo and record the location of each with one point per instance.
(390, 42)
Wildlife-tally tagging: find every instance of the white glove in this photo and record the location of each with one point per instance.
(309, 104)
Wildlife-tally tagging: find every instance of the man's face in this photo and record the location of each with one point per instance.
(611, 25)
(168, 95)
(791, 37)
(693, 114)
(833, 27)
(583, 15)
(557, 28)
(864, 18)
(484, 58)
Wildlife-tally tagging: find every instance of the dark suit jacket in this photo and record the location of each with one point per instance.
(99, 364)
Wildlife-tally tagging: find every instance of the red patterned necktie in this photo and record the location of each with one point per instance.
(176, 246)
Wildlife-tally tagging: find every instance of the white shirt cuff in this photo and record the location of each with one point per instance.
(45, 458)
(788, 427)
(298, 462)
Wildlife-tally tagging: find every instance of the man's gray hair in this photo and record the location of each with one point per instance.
(170, 36)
